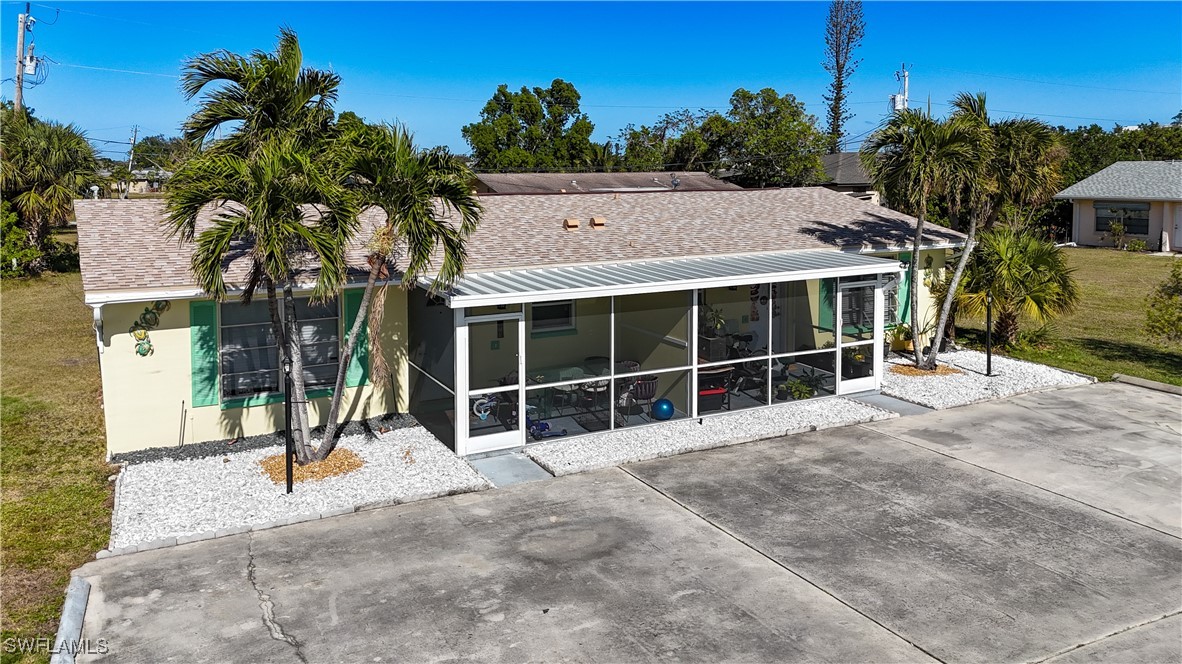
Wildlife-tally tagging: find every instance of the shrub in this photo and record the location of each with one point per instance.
(1116, 233)
(1137, 245)
(1163, 308)
(15, 252)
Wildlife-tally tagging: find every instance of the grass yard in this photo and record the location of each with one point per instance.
(1105, 334)
(56, 507)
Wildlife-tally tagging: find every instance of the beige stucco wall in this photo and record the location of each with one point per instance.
(1083, 225)
(148, 400)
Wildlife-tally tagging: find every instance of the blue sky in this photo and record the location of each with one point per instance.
(432, 65)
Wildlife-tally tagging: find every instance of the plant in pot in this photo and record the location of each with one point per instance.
(901, 338)
(782, 391)
(713, 331)
(799, 389)
(856, 363)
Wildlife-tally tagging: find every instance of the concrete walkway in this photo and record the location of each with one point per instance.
(1023, 533)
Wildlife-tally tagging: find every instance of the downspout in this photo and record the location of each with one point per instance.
(98, 326)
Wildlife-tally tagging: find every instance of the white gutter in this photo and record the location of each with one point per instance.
(98, 326)
(99, 298)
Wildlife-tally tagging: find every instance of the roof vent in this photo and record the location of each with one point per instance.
(570, 224)
(598, 222)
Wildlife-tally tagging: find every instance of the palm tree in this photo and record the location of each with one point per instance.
(909, 159)
(430, 212)
(262, 212)
(1028, 162)
(266, 95)
(1027, 276)
(263, 174)
(45, 166)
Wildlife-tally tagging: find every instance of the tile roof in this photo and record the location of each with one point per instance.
(560, 183)
(844, 168)
(123, 247)
(1132, 181)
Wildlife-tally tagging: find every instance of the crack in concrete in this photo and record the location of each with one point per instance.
(268, 607)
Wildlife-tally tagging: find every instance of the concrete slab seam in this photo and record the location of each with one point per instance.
(777, 563)
(1021, 481)
(69, 631)
(1107, 636)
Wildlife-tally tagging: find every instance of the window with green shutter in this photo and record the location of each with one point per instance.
(203, 344)
(358, 371)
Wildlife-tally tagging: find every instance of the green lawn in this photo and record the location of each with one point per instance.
(1104, 335)
(56, 510)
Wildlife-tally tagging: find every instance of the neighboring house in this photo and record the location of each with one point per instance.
(1145, 196)
(582, 183)
(844, 173)
(587, 307)
(143, 181)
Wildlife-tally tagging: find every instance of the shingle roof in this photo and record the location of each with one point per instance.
(122, 246)
(559, 183)
(1132, 181)
(844, 168)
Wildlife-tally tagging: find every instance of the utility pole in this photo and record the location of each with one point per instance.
(135, 130)
(18, 96)
(899, 101)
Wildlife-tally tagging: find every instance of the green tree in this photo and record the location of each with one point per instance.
(269, 168)
(1163, 308)
(158, 152)
(910, 159)
(772, 141)
(844, 29)
(1027, 276)
(430, 211)
(44, 166)
(538, 129)
(683, 140)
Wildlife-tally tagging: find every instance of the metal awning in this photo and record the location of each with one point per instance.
(610, 279)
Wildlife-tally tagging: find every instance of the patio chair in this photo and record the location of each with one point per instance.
(643, 391)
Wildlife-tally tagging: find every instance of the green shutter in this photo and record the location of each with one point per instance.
(203, 345)
(358, 372)
(904, 308)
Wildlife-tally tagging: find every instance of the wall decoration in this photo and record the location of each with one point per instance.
(147, 321)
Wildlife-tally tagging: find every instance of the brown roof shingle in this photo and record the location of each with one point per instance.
(123, 247)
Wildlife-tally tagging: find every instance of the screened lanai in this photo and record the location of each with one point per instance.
(512, 357)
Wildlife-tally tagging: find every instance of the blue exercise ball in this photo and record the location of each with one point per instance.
(662, 409)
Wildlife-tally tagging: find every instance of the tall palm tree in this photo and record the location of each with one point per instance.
(430, 212)
(1027, 276)
(262, 212)
(261, 96)
(1028, 165)
(45, 166)
(263, 174)
(909, 159)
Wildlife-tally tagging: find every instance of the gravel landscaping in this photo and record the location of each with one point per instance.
(604, 450)
(177, 498)
(1009, 377)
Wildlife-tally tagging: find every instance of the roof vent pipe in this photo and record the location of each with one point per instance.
(598, 222)
(570, 224)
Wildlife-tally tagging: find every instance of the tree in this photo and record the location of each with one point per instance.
(158, 152)
(1163, 308)
(683, 140)
(262, 176)
(909, 159)
(538, 129)
(430, 212)
(1177, 120)
(771, 141)
(45, 166)
(844, 29)
(1027, 276)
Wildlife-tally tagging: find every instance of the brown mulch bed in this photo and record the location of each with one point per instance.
(909, 370)
(341, 461)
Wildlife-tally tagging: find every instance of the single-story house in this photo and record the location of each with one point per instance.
(143, 181)
(1145, 196)
(844, 173)
(583, 183)
(588, 309)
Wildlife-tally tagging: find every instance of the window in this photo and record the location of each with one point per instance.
(890, 300)
(249, 356)
(1135, 217)
(552, 316)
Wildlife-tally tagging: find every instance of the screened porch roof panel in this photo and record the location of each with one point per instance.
(606, 279)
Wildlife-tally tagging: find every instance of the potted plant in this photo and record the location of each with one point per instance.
(800, 389)
(856, 363)
(901, 338)
(713, 344)
(782, 391)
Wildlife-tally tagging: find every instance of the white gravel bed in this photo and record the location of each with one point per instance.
(604, 450)
(164, 499)
(1009, 377)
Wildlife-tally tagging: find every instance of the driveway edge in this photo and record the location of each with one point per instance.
(69, 631)
(1147, 384)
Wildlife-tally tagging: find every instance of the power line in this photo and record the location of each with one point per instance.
(120, 71)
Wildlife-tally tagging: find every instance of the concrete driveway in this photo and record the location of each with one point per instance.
(848, 545)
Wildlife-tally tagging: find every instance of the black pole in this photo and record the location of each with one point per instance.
(988, 334)
(287, 421)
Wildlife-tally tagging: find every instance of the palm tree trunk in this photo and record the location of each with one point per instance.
(281, 340)
(1006, 327)
(913, 270)
(299, 396)
(338, 393)
(950, 293)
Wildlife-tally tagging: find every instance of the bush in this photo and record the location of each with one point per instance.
(1163, 308)
(15, 252)
(1137, 245)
